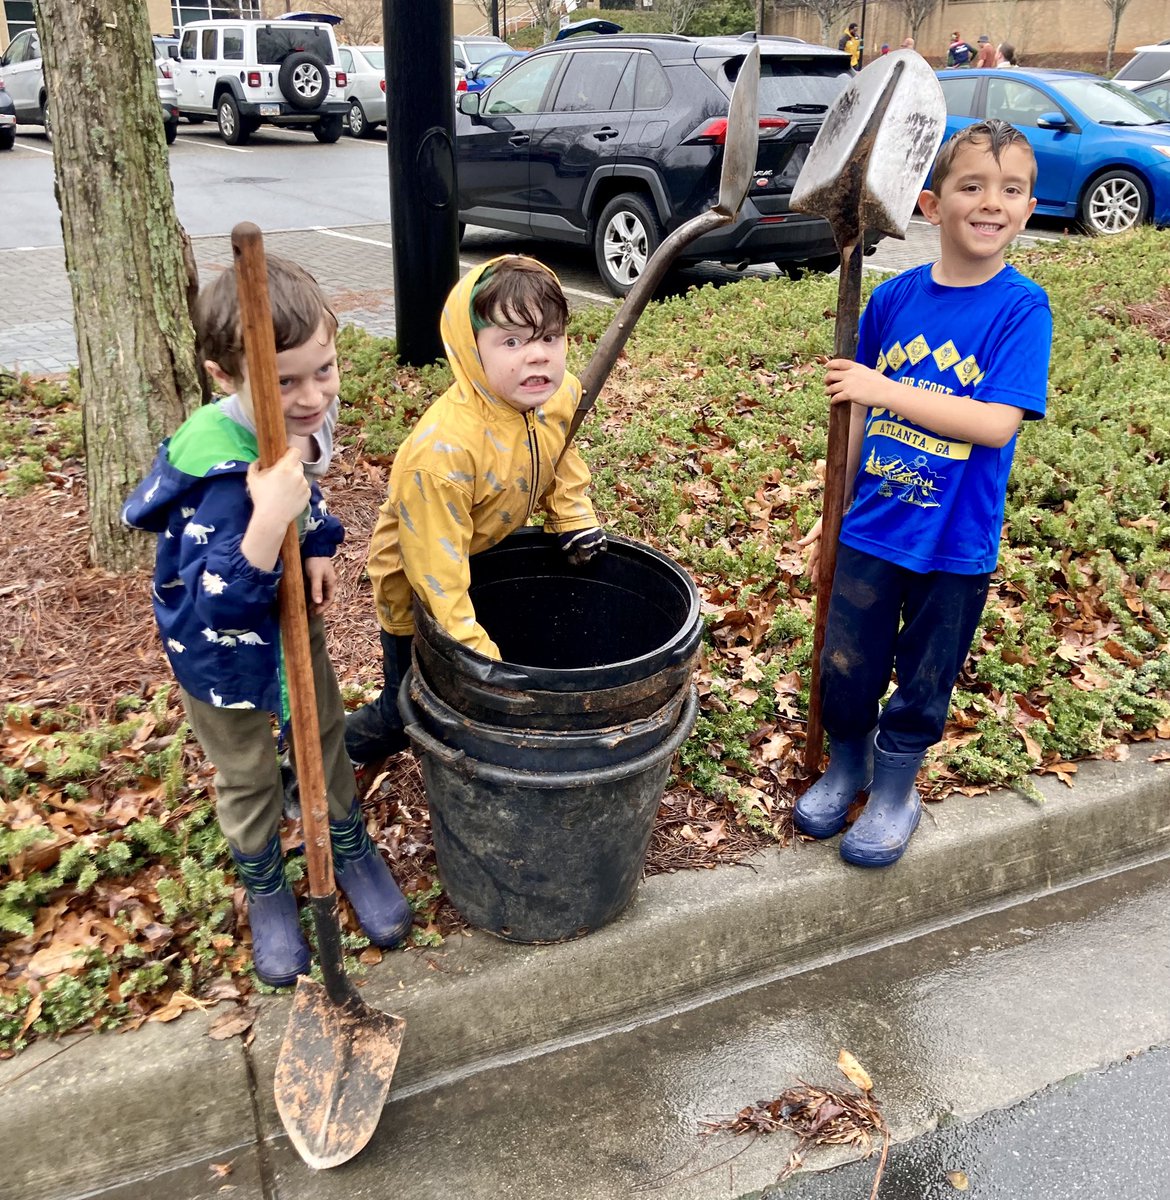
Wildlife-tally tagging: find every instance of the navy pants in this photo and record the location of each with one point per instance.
(374, 731)
(884, 617)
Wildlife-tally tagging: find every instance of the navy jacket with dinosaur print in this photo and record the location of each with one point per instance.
(216, 612)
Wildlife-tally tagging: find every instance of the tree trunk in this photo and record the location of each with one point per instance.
(123, 253)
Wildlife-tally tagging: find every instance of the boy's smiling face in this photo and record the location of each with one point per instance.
(524, 368)
(981, 206)
(309, 382)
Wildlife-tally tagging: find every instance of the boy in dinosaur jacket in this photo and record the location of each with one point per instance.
(220, 521)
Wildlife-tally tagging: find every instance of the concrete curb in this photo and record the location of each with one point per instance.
(94, 1111)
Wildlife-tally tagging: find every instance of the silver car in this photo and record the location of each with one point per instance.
(365, 73)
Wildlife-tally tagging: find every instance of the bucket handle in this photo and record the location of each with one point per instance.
(446, 754)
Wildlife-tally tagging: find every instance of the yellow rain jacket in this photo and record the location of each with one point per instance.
(471, 471)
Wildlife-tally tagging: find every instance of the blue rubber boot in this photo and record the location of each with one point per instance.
(362, 874)
(820, 812)
(881, 834)
(279, 950)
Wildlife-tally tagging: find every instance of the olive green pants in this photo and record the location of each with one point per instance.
(240, 742)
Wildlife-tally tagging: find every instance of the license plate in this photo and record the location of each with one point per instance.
(270, 110)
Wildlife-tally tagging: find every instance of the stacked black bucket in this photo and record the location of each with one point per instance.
(544, 771)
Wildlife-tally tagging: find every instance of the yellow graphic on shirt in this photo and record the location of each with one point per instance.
(917, 439)
(946, 355)
(918, 486)
(895, 356)
(967, 369)
(917, 350)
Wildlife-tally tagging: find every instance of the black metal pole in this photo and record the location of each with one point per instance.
(861, 52)
(495, 18)
(420, 135)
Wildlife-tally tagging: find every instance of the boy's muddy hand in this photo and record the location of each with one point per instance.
(581, 545)
(280, 493)
(812, 541)
(321, 584)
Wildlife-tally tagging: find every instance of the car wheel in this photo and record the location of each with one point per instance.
(826, 264)
(462, 231)
(303, 80)
(231, 127)
(627, 234)
(7, 138)
(328, 129)
(1115, 202)
(194, 120)
(45, 118)
(359, 127)
(171, 130)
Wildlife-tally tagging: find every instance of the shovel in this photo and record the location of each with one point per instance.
(864, 172)
(739, 157)
(338, 1053)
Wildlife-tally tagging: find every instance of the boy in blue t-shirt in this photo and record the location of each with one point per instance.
(951, 357)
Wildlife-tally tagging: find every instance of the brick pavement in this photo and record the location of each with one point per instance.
(354, 266)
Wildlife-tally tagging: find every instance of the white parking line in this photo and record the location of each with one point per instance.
(204, 145)
(39, 150)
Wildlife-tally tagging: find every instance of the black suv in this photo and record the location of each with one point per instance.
(613, 142)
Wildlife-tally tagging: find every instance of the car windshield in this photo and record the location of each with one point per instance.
(478, 52)
(1108, 104)
(800, 85)
(376, 59)
(1150, 64)
(274, 44)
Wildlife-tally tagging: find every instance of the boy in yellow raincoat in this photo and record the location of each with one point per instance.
(475, 468)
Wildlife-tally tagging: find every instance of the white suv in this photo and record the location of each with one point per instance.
(250, 73)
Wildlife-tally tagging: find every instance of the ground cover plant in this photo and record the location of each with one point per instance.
(116, 902)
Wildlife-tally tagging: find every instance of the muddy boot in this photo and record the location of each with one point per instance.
(362, 874)
(820, 812)
(880, 835)
(279, 950)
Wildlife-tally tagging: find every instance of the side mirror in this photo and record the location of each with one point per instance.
(1052, 120)
(468, 104)
(173, 52)
(460, 65)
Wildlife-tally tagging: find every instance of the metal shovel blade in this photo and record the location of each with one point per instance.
(866, 167)
(333, 1073)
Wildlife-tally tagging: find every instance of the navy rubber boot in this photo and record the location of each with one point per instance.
(820, 812)
(881, 834)
(362, 874)
(279, 950)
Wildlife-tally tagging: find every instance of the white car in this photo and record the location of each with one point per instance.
(249, 73)
(365, 88)
(471, 51)
(1148, 64)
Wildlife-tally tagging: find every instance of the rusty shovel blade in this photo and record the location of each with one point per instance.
(333, 1073)
(866, 167)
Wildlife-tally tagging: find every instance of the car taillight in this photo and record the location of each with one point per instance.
(461, 86)
(714, 133)
(253, 78)
(382, 85)
(163, 69)
(341, 78)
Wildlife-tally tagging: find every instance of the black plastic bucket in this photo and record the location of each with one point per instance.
(583, 648)
(541, 856)
(528, 749)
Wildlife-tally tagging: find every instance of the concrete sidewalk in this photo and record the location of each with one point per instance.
(108, 1113)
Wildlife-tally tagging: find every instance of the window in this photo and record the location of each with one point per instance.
(590, 81)
(960, 96)
(652, 89)
(521, 90)
(1020, 103)
(233, 44)
(18, 49)
(346, 61)
(274, 43)
(187, 46)
(208, 45)
(1149, 64)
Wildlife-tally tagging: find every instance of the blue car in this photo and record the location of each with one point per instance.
(1102, 153)
(491, 68)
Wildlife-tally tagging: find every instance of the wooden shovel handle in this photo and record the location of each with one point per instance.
(264, 382)
(833, 504)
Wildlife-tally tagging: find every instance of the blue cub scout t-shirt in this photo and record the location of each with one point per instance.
(922, 501)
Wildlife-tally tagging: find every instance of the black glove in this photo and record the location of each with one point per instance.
(582, 544)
